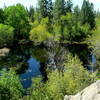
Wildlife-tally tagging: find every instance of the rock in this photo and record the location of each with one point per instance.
(92, 92)
(4, 51)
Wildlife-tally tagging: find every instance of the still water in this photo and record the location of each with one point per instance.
(27, 62)
(30, 61)
(33, 71)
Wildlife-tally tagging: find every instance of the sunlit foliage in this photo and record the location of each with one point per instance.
(10, 86)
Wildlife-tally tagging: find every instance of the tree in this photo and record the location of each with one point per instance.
(10, 86)
(31, 13)
(40, 34)
(50, 9)
(68, 6)
(76, 14)
(2, 16)
(17, 17)
(73, 31)
(6, 35)
(43, 8)
(59, 9)
(87, 14)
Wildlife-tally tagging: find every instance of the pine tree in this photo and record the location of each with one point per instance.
(50, 9)
(2, 16)
(59, 9)
(43, 8)
(76, 14)
(31, 13)
(68, 6)
(92, 16)
(87, 14)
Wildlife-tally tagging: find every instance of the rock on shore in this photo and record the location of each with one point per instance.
(4, 51)
(92, 92)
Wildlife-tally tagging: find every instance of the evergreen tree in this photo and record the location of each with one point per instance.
(2, 16)
(31, 13)
(43, 9)
(76, 15)
(50, 9)
(98, 13)
(68, 6)
(59, 9)
(87, 14)
(92, 16)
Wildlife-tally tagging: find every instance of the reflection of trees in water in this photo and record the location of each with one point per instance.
(57, 55)
(81, 50)
(96, 51)
(40, 54)
(53, 56)
(17, 59)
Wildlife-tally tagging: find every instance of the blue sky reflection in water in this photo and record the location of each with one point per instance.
(33, 71)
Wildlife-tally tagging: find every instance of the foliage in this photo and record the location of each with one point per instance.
(59, 9)
(2, 16)
(6, 35)
(31, 13)
(74, 79)
(17, 17)
(87, 14)
(50, 24)
(68, 6)
(50, 9)
(76, 14)
(40, 34)
(10, 86)
(78, 77)
(73, 31)
(94, 43)
(43, 10)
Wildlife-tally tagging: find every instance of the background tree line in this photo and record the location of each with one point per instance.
(59, 19)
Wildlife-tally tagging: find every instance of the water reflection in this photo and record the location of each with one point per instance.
(33, 71)
(27, 61)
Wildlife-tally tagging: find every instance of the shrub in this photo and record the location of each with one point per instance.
(10, 86)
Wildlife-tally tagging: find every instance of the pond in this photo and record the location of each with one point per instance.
(30, 61)
(27, 61)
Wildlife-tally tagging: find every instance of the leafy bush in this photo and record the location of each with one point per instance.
(10, 86)
(40, 34)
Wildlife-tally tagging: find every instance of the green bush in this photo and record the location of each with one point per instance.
(10, 86)
(39, 33)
